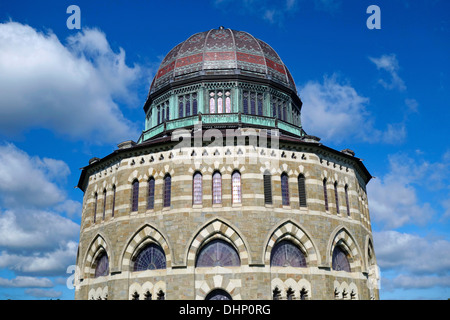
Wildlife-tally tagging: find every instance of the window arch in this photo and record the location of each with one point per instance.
(104, 204)
(152, 257)
(267, 183)
(325, 195)
(135, 195)
(285, 189)
(340, 260)
(197, 188)
(101, 265)
(113, 206)
(95, 206)
(217, 187)
(302, 190)
(336, 196)
(218, 253)
(287, 254)
(167, 190)
(236, 187)
(151, 193)
(346, 199)
(218, 294)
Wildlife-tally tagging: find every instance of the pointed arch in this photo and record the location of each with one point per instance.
(218, 282)
(289, 230)
(343, 239)
(97, 247)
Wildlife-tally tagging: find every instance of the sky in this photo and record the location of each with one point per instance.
(67, 95)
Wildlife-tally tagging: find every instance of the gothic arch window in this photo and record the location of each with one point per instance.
(220, 101)
(217, 187)
(325, 195)
(346, 199)
(339, 260)
(302, 190)
(287, 254)
(218, 294)
(285, 189)
(101, 265)
(218, 253)
(104, 203)
(336, 196)
(135, 195)
(267, 183)
(151, 193)
(95, 206)
(197, 188)
(113, 206)
(167, 190)
(236, 187)
(152, 257)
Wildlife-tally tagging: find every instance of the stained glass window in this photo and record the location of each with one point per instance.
(218, 253)
(219, 103)
(135, 196)
(151, 193)
(346, 199)
(227, 102)
(340, 261)
(260, 104)
(218, 294)
(194, 104)
(285, 189)
(197, 188)
(267, 187)
(152, 257)
(245, 102)
(301, 190)
(167, 111)
(167, 190)
(252, 103)
(325, 195)
(236, 187)
(217, 187)
(212, 103)
(102, 265)
(188, 105)
(287, 254)
(336, 196)
(180, 107)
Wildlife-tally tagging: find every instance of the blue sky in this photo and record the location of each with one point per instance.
(68, 95)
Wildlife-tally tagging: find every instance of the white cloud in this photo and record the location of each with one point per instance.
(26, 282)
(71, 89)
(335, 111)
(389, 63)
(42, 293)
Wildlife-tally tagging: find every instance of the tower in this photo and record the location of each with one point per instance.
(224, 196)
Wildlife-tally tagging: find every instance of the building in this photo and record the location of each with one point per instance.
(224, 196)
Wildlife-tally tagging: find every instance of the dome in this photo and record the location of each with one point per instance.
(221, 52)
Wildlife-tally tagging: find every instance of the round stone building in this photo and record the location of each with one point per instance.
(224, 196)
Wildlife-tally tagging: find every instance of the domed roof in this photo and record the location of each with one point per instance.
(222, 51)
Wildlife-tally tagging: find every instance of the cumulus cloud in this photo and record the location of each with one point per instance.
(26, 282)
(71, 89)
(334, 110)
(389, 64)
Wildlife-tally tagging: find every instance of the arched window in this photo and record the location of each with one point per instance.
(197, 189)
(217, 187)
(302, 190)
(113, 206)
(287, 254)
(104, 203)
(325, 195)
(267, 187)
(167, 190)
(152, 257)
(218, 253)
(285, 189)
(340, 260)
(336, 196)
(95, 206)
(151, 193)
(236, 187)
(218, 294)
(346, 200)
(135, 196)
(102, 265)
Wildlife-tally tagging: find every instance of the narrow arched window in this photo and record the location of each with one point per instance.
(302, 190)
(287, 254)
(197, 189)
(135, 195)
(267, 187)
(167, 190)
(325, 195)
(95, 206)
(218, 294)
(152, 257)
(336, 196)
(346, 199)
(339, 260)
(217, 187)
(236, 187)
(113, 206)
(104, 203)
(101, 265)
(151, 193)
(285, 189)
(218, 253)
